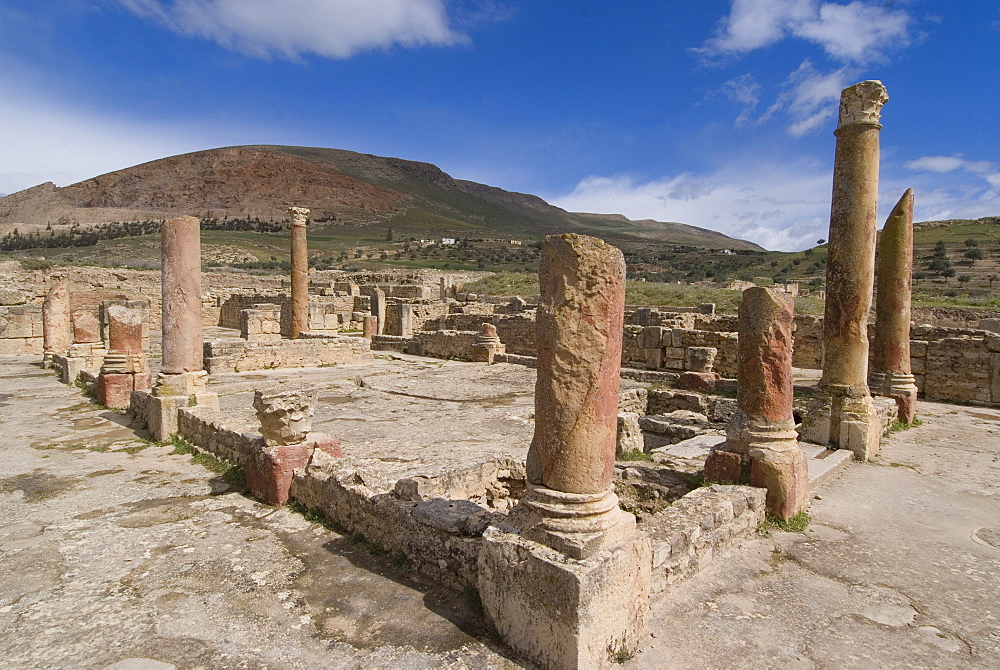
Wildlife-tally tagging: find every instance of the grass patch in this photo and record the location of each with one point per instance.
(233, 475)
(904, 465)
(620, 651)
(796, 524)
(635, 455)
(505, 283)
(899, 425)
(315, 516)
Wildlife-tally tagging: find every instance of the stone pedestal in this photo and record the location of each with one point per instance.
(762, 430)
(173, 391)
(487, 345)
(563, 613)
(300, 271)
(842, 393)
(629, 434)
(890, 375)
(262, 323)
(565, 578)
(125, 368)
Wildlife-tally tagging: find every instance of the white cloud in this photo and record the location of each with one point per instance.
(856, 32)
(289, 28)
(777, 206)
(986, 170)
(936, 163)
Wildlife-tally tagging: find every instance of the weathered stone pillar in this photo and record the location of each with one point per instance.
(378, 310)
(182, 378)
(285, 424)
(842, 413)
(300, 271)
(761, 443)
(405, 320)
(566, 579)
(125, 367)
(369, 326)
(891, 375)
(487, 345)
(56, 334)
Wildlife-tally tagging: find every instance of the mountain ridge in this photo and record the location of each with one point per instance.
(341, 187)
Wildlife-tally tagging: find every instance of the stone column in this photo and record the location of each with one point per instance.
(55, 322)
(378, 310)
(487, 345)
(567, 576)
(300, 271)
(405, 320)
(842, 413)
(182, 378)
(125, 367)
(761, 443)
(891, 375)
(369, 326)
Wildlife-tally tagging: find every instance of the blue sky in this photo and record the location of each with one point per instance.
(717, 113)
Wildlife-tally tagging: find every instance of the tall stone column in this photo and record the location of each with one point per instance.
(891, 375)
(56, 334)
(842, 413)
(182, 378)
(567, 577)
(761, 442)
(300, 271)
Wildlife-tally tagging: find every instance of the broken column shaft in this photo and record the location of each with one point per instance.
(300, 271)
(56, 336)
(180, 241)
(891, 375)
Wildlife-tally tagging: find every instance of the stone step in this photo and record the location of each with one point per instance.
(825, 464)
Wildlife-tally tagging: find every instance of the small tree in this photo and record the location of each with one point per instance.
(950, 272)
(971, 242)
(992, 278)
(964, 279)
(975, 253)
(821, 241)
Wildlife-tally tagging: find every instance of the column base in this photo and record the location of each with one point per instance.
(575, 524)
(767, 455)
(114, 389)
(180, 383)
(565, 613)
(899, 386)
(840, 417)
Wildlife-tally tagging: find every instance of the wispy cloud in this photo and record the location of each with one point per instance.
(857, 32)
(954, 195)
(290, 28)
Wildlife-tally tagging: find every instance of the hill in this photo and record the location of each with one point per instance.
(343, 189)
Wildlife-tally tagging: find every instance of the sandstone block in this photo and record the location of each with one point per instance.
(269, 471)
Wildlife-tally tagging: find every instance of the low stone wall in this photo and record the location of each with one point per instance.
(424, 317)
(689, 534)
(658, 347)
(199, 427)
(237, 355)
(958, 369)
(807, 347)
(453, 344)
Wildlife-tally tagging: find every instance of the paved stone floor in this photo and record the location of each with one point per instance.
(120, 554)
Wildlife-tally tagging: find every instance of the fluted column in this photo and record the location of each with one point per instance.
(891, 375)
(300, 271)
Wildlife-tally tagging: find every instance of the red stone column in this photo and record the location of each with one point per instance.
(891, 375)
(579, 336)
(181, 295)
(300, 271)
(762, 434)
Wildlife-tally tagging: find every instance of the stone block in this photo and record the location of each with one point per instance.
(653, 358)
(629, 434)
(724, 467)
(115, 389)
(918, 366)
(10, 296)
(651, 337)
(698, 381)
(161, 418)
(269, 471)
(563, 613)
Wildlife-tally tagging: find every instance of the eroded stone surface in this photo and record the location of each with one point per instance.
(181, 295)
(286, 416)
(300, 270)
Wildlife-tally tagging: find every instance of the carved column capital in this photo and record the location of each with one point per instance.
(299, 215)
(862, 103)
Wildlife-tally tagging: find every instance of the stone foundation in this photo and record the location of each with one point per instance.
(238, 355)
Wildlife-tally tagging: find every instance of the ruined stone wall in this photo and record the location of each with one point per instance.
(807, 342)
(231, 306)
(237, 355)
(20, 329)
(201, 428)
(425, 316)
(657, 347)
(958, 369)
(454, 344)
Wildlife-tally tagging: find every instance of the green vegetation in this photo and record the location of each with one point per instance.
(231, 474)
(899, 425)
(635, 455)
(796, 524)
